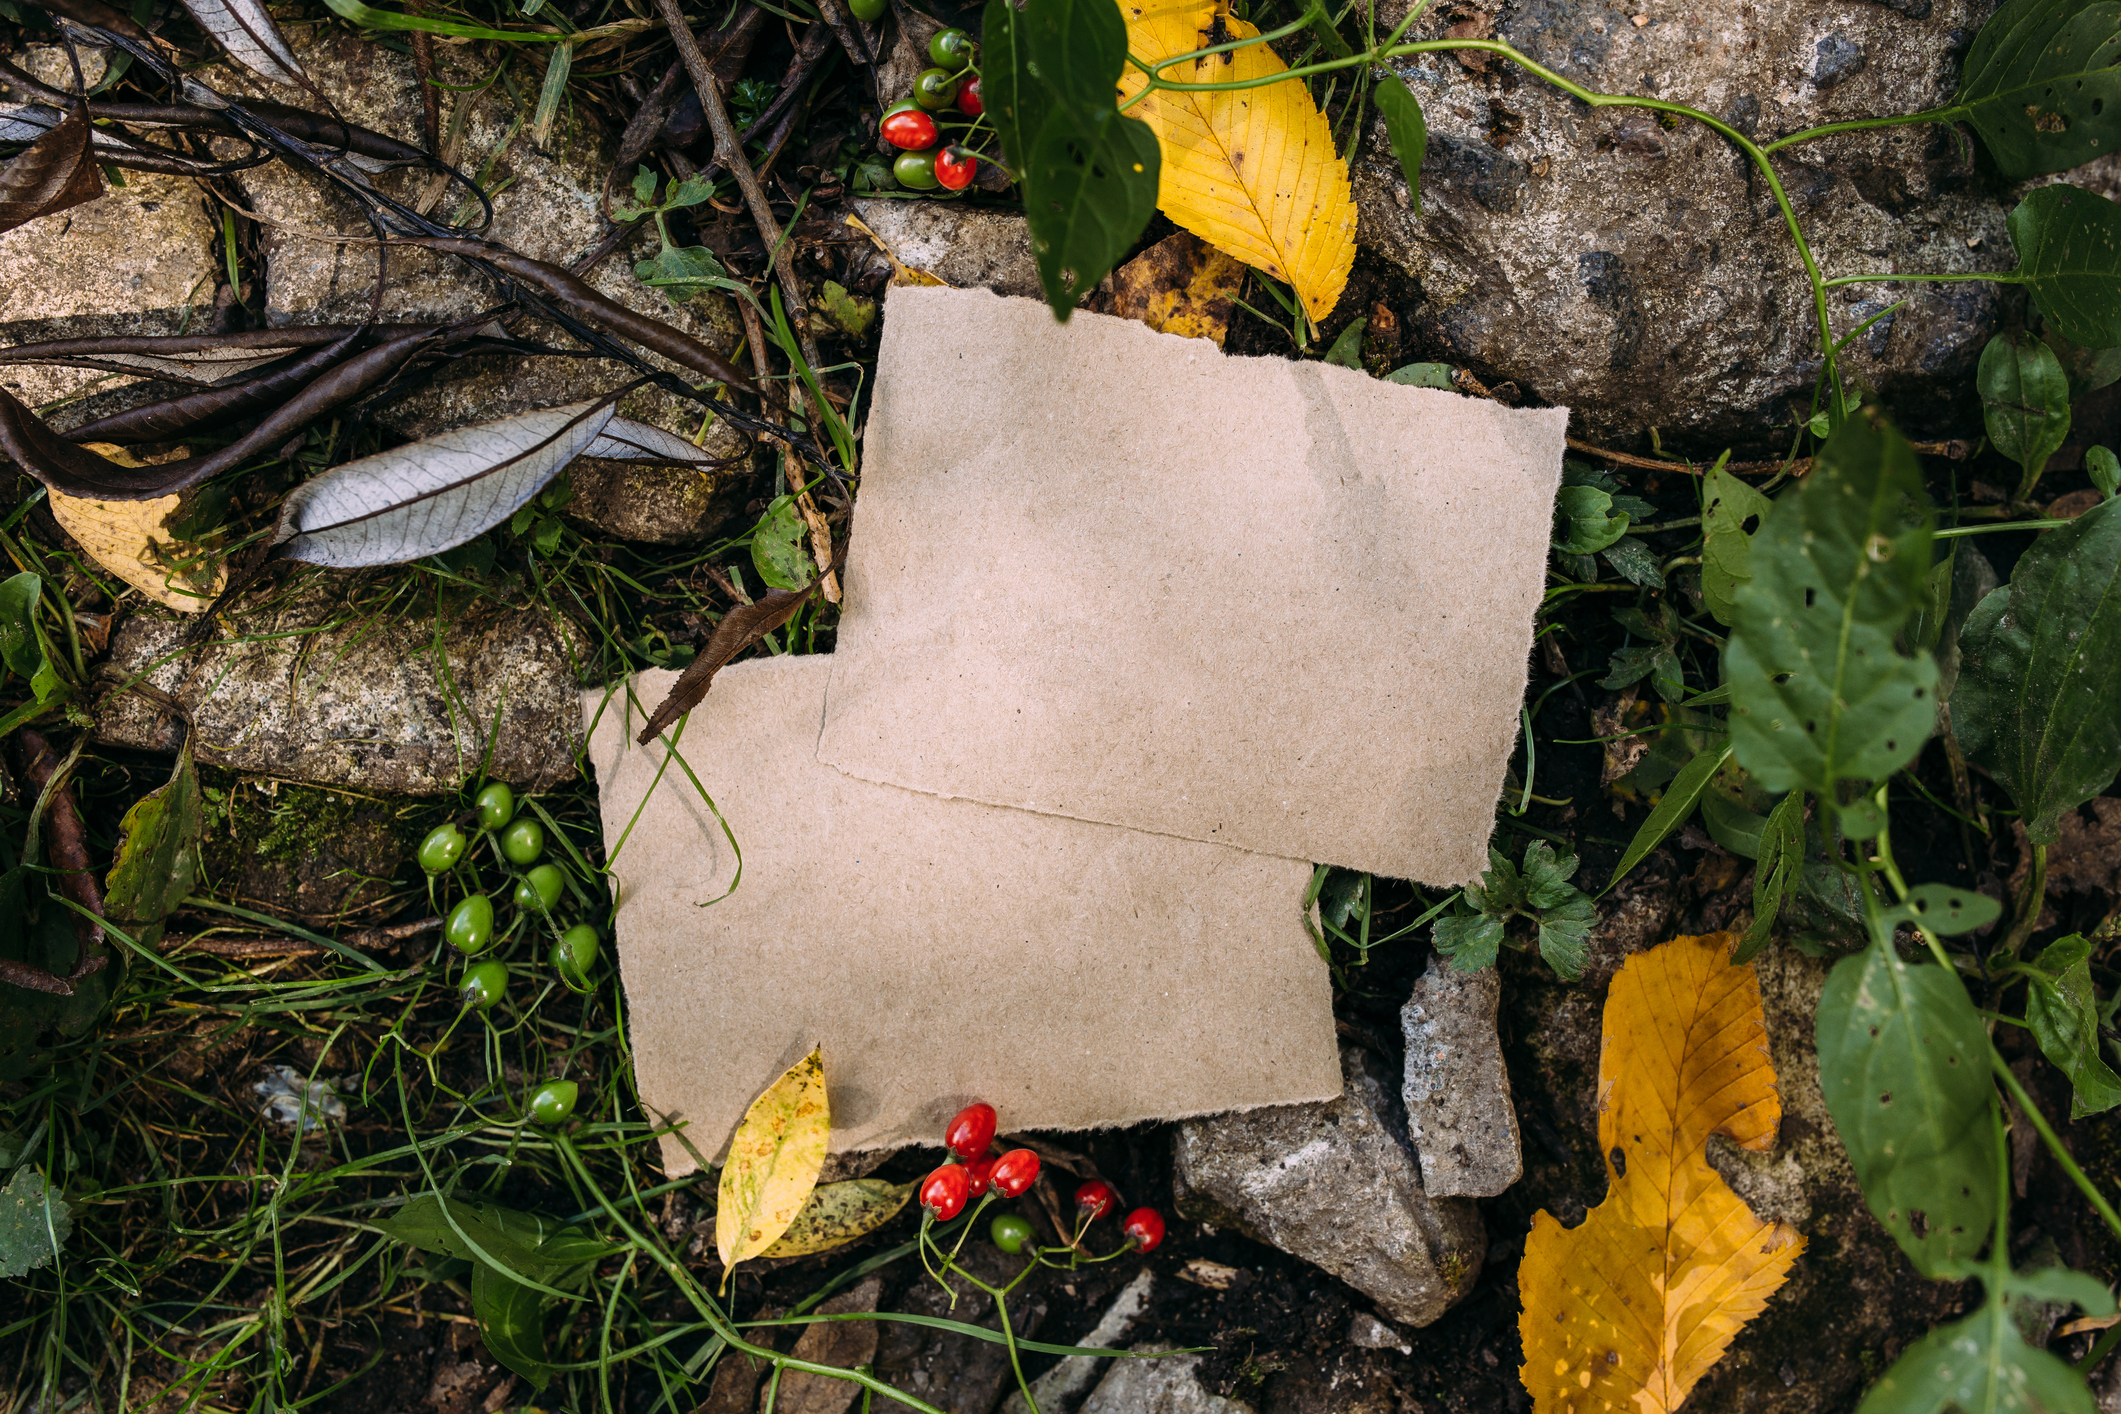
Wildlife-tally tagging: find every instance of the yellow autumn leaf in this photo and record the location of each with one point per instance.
(773, 1163)
(837, 1213)
(1250, 171)
(132, 540)
(1630, 1309)
(1181, 285)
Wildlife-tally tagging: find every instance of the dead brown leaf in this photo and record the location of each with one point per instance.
(1181, 285)
(51, 174)
(133, 541)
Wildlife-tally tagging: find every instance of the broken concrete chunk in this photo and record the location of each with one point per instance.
(1060, 1387)
(313, 689)
(1457, 1093)
(958, 246)
(1170, 1385)
(1372, 1334)
(1338, 1186)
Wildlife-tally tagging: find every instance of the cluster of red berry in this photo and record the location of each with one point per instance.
(925, 161)
(974, 1169)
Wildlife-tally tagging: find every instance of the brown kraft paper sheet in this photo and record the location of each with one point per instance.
(1107, 573)
(1070, 974)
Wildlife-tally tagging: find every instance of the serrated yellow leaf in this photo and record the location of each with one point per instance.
(131, 539)
(773, 1163)
(837, 1213)
(1629, 1310)
(1250, 171)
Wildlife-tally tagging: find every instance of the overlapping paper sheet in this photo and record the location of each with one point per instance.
(1106, 573)
(1071, 974)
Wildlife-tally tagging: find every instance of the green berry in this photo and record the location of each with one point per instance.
(935, 89)
(553, 1102)
(496, 806)
(484, 982)
(523, 842)
(470, 925)
(1009, 1232)
(950, 49)
(869, 11)
(916, 169)
(574, 954)
(442, 848)
(539, 890)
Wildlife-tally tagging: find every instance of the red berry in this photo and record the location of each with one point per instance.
(968, 99)
(953, 172)
(1015, 1172)
(980, 1174)
(908, 128)
(945, 1191)
(1144, 1228)
(1096, 1198)
(969, 1134)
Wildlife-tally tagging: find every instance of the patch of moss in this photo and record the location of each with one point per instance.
(307, 851)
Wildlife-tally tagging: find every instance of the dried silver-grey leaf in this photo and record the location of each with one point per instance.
(245, 30)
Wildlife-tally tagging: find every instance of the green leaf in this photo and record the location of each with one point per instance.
(1778, 871)
(2024, 402)
(1422, 375)
(1500, 889)
(1636, 563)
(22, 646)
(2069, 255)
(2038, 701)
(1944, 910)
(1347, 349)
(34, 1223)
(1732, 825)
(777, 547)
(2041, 87)
(1565, 936)
(1731, 515)
(2063, 1012)
(1819, 693)
(2104, 469)
(1926, 629)
(691, 192)
(1470, 940)
(511, 1323)
(683, 271)
(1903, 1062)
(2088, 370)
(846, 311)
(2063, 1286)
(1674, 806)
(158, 855)
(1547, 875)
(1407, 129)
(1088, 172)
(369, 17)
(644, 185)
(1583, 520)
(1979, 1364)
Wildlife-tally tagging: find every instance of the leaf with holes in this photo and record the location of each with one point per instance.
(1984, 1363)
(2069, 255)
(2063, 1012)
(1731, 515)
(2038, 701)
(2042, 84)
(1631, 1308)
(773, 1163)
(1903, 1062)
(1819, 691)
(34, 1223)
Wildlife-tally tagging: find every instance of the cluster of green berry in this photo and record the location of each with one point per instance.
(518, 844)
(925, 160)
(975, 1171)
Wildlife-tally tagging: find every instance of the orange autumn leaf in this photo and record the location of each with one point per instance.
(1630, 1309)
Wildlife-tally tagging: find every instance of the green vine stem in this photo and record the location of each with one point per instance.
(2053, 1141)
(2029, 904)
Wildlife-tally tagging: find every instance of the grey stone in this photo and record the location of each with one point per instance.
(310, 688)
(1370, 1333)
(1337, 1185)
(956, 244)
(1457, 1092)
(1641, 274)
(1059, 1388)
(1169, 1385)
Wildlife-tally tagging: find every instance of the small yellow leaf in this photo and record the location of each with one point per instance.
(1250, 171)
(1629, 1310)
(901, 273)
(1181, 285)
(131, 539)
(837, 1213)
(773, 1163)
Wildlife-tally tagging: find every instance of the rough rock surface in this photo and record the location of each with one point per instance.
(659, 504)
(311, 688)
(1165, 1386)
(959, 245)
(1457, 1092)
(1337, 1185)
(1641, 273)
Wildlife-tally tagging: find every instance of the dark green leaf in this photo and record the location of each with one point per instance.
(1732, 825)
(2039, 82)
(684, 271)
(1422, 375)
(2024, 401)
(1583, 521)
(2065, 1287)
(1407, 129)
(1088, 172)
(2063, 1012)
(1470, 940)
(1731, 515)
(1944, 910)
(1903, 1062)
(1674, 807)
(419, 1224)
(1347, 349)
(1565, 936)
(1926, 629)
(511, 1323)
(1636, 563)
(2088, 370)
(2069, 255)
(1980, 1364)
(1861, 818)
(22, 646)
(158, 855)
(1547, 875)
(2103, 468)
(1777, 871)
(1500, 888)
(32, 1214)
(644, 185)
(1819, 693)
(2038, 701)
(777, 547)
(1632, 664)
